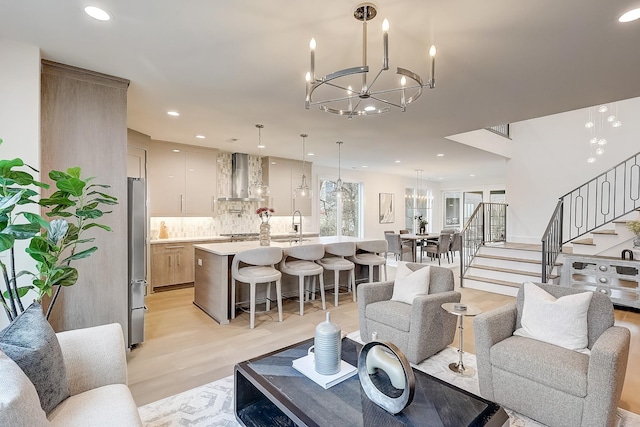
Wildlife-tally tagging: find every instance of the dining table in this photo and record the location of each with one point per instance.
(414, 239)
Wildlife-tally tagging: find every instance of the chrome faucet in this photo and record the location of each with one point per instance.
(299, 225)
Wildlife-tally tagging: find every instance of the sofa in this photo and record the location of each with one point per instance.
(96, 373)
(419, 329)
(554, 385)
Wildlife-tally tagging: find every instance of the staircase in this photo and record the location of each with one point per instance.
(608, 240)
(502, 268)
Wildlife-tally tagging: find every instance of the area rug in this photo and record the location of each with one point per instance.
(212, 404)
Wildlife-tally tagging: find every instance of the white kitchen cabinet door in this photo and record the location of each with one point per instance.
(201, 184)
(166, 170)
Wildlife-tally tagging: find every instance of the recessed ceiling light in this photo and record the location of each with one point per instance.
(173, 113)
(629, 16)
(262, 146)
(175, 150)
(310, 154)
(472, 175)
(397, 161)
(97, 13)
(200, 136)
(440, 155)
(365, 166)
(440, 178)
(369, 108)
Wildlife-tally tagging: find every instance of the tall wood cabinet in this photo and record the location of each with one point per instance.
(84, 123)
(283, 176)
(182, 180)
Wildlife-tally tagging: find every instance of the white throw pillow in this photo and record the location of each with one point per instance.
(19, 402)
(562, 321)
(410, 284)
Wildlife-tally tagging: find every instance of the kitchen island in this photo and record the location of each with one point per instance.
(213, 272)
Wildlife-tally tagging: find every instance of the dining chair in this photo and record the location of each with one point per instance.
(301, 261)
(442, 247)
(255, 266)
(334, 260)
(396, 246)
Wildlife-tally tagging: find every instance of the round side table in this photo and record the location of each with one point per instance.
(470, 310)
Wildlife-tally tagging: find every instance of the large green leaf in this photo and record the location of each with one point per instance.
(65, 276)
(99, 185)
(93, 224)
(40, 250)
(6, 241)
(89, 213)
(22, 178)
(22, 291)
(58, 175)
(74, 172)
(22, 231)
(59, 200)
(84, 254)
(74, 186)
(105, 201)
(10, 200)
(106, 196)
(36, 219)
(7, 165)
(58, 213)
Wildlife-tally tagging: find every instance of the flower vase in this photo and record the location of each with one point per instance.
(265, 234)
(422, 229)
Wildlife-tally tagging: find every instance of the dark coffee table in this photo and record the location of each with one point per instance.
(269, 392)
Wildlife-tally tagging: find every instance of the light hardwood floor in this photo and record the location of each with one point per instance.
(184, 348)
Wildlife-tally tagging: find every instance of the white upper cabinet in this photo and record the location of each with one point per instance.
(283, 176)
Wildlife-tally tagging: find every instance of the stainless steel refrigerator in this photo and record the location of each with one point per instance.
(137, 220)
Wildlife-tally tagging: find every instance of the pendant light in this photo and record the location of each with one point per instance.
(339, 188)
(260, 189)
(303, 191)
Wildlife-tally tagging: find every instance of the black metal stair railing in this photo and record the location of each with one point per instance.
(605, 198)
(488, 223)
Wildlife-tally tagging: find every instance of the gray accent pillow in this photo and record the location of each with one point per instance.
(31, 342)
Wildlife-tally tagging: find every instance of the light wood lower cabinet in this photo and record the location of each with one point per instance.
(171, 264)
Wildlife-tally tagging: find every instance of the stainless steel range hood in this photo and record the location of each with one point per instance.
(239, 180)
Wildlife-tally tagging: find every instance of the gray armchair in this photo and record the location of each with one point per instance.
(419, 330)
(553, 385)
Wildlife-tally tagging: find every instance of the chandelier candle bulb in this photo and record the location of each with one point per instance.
(385, 44)
(312, 47)
(432, 54)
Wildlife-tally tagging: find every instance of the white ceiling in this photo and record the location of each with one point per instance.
(226, 65)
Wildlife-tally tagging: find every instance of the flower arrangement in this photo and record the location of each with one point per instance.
(421, 221)
(265, 213)
(634, 227)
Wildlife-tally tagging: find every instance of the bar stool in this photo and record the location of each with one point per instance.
(303, 266)
(260, 269)
(370, 255)
(337, 263)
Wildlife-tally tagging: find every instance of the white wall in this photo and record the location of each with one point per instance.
(549, 160)
(374, 184)
(20, 119)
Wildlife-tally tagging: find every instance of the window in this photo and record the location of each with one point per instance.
(417, 204)
(344, 210)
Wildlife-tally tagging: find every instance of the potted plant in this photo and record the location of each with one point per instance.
(634, 227)
(54, 244)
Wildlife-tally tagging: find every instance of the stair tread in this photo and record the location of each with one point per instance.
(494, 281)
(507, 258)
(588, 241)
(517, 246)
(508, 270)
(609, 232)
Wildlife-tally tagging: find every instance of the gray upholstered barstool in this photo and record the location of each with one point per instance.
(303, 265)
(370, 255)
(334, 260)
(260, 269)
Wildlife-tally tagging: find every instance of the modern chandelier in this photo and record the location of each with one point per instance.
(339, 97)
(260, 189)
(303, 191)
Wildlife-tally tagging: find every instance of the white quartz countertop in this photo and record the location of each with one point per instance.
(223, 238)
(190, 239)
(233, 248)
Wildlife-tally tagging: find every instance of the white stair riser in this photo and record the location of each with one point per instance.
(501, 275)
(509, 252)
(585, 249)
(490, 287)
(512, 265)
